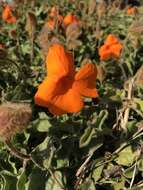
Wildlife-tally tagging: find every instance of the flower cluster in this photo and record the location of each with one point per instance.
(111, 49)
(56, 18)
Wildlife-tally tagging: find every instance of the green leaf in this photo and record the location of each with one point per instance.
(13, 165)
(119, 185)
(87, 185)
(86, 137)
(43, 154)
(52, 184)
(134, 188)
(90, 132)
(96, 175)
(129, 172)
(9, 180)
(100, 119)
(22, 179)
(126, 157)
(42, 124)
(139, 102)
(25, 48)
(37, 179)
(140, 165)
(43, 180)
(62, 163)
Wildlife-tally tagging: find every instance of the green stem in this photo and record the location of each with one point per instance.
(15, 152)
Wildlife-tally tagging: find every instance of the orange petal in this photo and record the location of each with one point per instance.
(6, 12)
(132, 10)
(65, 99)
(58, 96)
(69, 19)
(60, 19)
(51, 24)
(69, 102)
(7, 15)
(105, 52)
(45, 91)
(116, 50)
(59, 62)
(11, 20)
(85, 81)
(111, 39)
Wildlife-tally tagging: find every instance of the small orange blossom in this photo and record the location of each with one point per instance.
(7, 15)
(55, 17)
(131, 10)
(69, 19)
(111, 49)
(52, 22)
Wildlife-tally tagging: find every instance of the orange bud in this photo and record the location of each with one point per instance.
(69, 19)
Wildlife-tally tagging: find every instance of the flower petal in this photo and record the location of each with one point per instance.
(58, 96)
(105, 52)
(111, 39)
(59, 61)
(45, 91)
(69, 102)
(69, 19)
(7, 15)
(116, 50)
(85, 81)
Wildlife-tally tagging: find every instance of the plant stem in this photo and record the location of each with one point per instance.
(83, 165)
(15, 152)
(124, 121)
(133, 176)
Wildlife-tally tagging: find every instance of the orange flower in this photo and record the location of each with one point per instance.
(132, 10)
(54, 18)
(69, 19)
(7, 15)
(52, 22)
(111, 48)
(62, 90)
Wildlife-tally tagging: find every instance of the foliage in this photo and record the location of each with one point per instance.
(99, 148)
